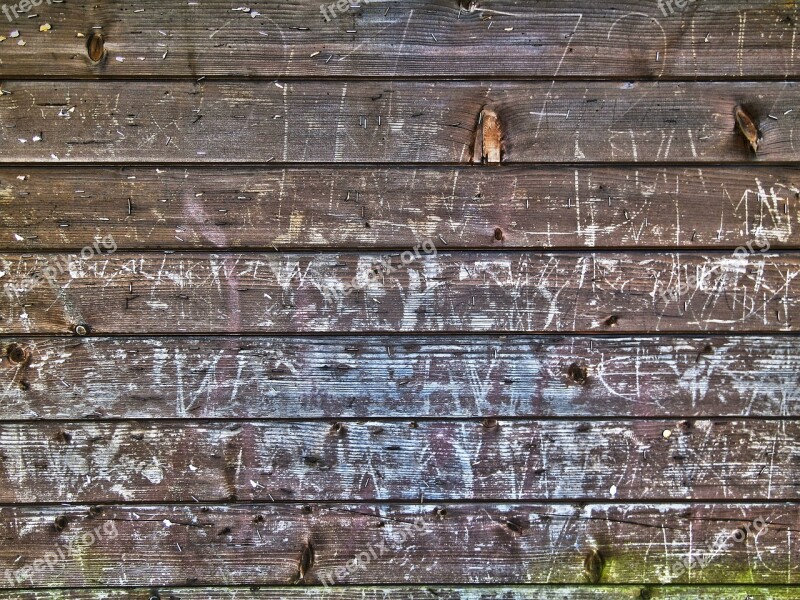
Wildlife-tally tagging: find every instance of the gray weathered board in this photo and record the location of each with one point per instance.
(314, 348)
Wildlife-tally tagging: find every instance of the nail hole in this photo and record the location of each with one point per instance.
(95, 47)
(498, 234)
(490, 423)
(82, 330)
(441, 512)
(60, 523)
(338, 429)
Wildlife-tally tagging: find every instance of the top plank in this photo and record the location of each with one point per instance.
(630, 39)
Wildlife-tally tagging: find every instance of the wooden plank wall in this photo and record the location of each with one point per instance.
(275, 324)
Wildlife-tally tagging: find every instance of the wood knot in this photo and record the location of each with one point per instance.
(498, 234)
(593, 566)
(307, 557)
(578, 373)
(747, 127)
(60, 522)
(82, 329)
(488, 146)
(16, 354)
(95, 47)
(490, 423)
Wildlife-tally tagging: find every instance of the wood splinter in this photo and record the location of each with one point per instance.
(488, 138)
(747, 127)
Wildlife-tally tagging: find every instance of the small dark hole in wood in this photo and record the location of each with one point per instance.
(413, 425)
(338, 429)
(16, 354)
(645, 594)
(95, 511)
(578, 373)
(307, 510)
(24, 385)
(258, 519)
(95, 46)
(60, 523)
(225, 531)
(441, 513)
(612, 321)
(498, 234)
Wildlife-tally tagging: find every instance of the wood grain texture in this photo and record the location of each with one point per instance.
(58, 208)
(399, 377)
(545, 39)
(489, 544)
(428, 592)
(399, 461)
(392, 121)
(439, 292)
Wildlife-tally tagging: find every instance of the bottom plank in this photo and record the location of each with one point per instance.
(412, 544)
(583, 592)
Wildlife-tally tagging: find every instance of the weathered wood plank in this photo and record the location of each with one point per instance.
(539, 592)
(489, 544)
(399, 461)
(392, 121)
(353, 292)
(398, 377)
(144, 208)
(546, 39)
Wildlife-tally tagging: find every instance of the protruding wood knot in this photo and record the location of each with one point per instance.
(62, 437)
(578, 373)
(306, 563)
(488, 147)
(82, 329)
(747, 127)
(612, 321)
(60, 523)
(16, 354)
(516, 525)
(593, 566)
(96, 47)
(490, 423)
